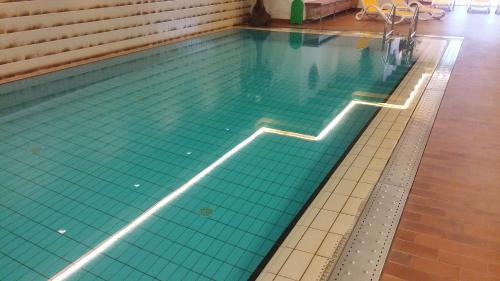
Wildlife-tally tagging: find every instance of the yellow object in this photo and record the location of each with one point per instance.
(425, 12)
(363, 42)
(373, 8)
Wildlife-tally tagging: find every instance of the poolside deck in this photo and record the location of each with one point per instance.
(450, 229)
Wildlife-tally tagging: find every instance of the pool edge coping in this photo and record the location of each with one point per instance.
(339, 253)
(365, 252)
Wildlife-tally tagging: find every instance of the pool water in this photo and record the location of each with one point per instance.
(155, 165)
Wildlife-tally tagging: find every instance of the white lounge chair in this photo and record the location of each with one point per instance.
(425, 12)
(372, 8)
(480, 4)
(449, 4)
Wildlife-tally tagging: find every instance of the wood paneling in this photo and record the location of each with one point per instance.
(40, 33)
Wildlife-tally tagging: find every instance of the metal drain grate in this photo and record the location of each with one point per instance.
(366, 250)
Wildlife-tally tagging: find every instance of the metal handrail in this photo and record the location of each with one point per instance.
(412, 30)
(389, 26)
(388, 32)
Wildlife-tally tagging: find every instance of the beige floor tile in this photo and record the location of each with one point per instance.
(370, 176)
(294, 237)
(320, 199)
(308, 216)
(407, 113)
(354, 173)
(363, 139)
(393, 134)
(377, 164)
(311, 240)
(380, 133)
(378, 118)
(383, 153)
(352, 206)
(349, 159)
(331, 184)
(278, 260)
(375, 141)
(362, 190)
(384, 125)
(296, 264)
(324, 220)
(335, 202)
(385, 111)
(282, 278)
(369, 131)
(315, 269)
(398, 126)
(361, 161)
(266, 276)
(340, 171)
(389, 143)
(369, 150)
(345, 187)
(402, 119)
(343, 224)
(356, 149)
(391, 116)
(329, 245)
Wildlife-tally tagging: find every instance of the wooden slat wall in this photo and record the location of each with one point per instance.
(41, 33)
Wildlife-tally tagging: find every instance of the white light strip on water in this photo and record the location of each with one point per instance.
(110, 241)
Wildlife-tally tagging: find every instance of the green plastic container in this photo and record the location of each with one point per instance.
(297, 15)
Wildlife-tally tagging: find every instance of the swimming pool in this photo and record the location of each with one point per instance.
(183, 162)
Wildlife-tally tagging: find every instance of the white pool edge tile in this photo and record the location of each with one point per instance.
(354, 179)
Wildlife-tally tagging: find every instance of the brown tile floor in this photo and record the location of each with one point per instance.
(450, 229)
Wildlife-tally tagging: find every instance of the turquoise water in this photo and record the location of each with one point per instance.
(85, 151)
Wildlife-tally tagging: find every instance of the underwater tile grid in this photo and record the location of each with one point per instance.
(312, 247)
(188, 168)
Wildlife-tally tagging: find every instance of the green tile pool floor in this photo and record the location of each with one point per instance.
(105, 144)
